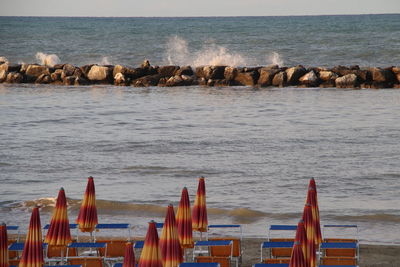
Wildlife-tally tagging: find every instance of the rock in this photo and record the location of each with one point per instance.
(168, 71)
(210, 72)
(310, 79)
(80, 80)
(69, 80)
(10, 68)
(294, 74)
(230, 73)
(119, 69)
(327, 76)
(145, 64)
(247, 78)
(162, 82)
(14, 77)
(384, 76)
(58, 66)
(175, 81)
(396, 72)
(266, 76)
(188, 79)
(3, 76)
(85, 69)
(43, 79)
(78, 73)
(202, 81)
(280, 79)
(56, 75)
(341, 70)
(185, 70)
(119, 79)
(100, 74)
(36, 70)
(68, 69)
(224, 82)
(347, 81)
(146, 81)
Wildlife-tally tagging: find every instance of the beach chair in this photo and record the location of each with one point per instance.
(56, 254)
(339, 253)
(198, 251)
(137, 247)
(224, 250)
(271, 265)
(281, 233)
(88, 254)
(199, 264)
(340, 233)
(13, 233)
(125, 227)
(279, 251)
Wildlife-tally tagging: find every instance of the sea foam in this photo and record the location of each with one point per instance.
(179, 53)
(48, 60)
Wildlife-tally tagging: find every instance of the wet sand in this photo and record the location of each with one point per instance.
(370, 255)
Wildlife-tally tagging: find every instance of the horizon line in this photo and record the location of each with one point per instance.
(219, 16)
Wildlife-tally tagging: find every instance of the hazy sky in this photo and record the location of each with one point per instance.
(146, 8)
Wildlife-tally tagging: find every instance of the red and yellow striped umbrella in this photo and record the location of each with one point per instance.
(310, 233)
(171, 251)
(151, 254)
(184, 221)
(301, 237)
(59, 233)
(312, 199)
(87, 217)
(32, 255)
(129, 256)
(199, 212)
(3, 246)
(297, 257)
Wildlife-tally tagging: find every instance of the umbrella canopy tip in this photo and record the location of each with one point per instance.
(62, 188)
(3, 224)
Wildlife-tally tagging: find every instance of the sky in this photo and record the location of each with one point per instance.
(188, 8)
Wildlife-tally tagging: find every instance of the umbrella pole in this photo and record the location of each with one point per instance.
(62, 255)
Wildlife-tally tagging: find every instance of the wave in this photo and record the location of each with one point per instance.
(238, 215)
(178, 53)
(48, 60)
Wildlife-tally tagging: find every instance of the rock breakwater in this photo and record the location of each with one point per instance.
(148, 75)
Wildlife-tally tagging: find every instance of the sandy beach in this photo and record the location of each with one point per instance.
(370, 255)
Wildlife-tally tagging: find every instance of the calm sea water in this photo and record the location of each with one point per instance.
(256, 148)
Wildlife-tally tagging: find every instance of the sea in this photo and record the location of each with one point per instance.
(256, 147)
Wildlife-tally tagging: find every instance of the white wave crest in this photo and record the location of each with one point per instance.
(178, 54)
(105, 61)
(47, 60)
(275, 59)
(3, 59)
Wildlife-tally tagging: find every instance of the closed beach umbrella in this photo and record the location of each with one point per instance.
(297, 257)
(184, 221)
(32, 255)
(199, 212)
(3, 246)
(312, 199)
(151, 254)
(59, 233)
(301, 237)
(129, 256)
(87, 217)
(310, 233)
(171, 251)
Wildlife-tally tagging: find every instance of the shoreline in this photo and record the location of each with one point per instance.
(218, 76)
